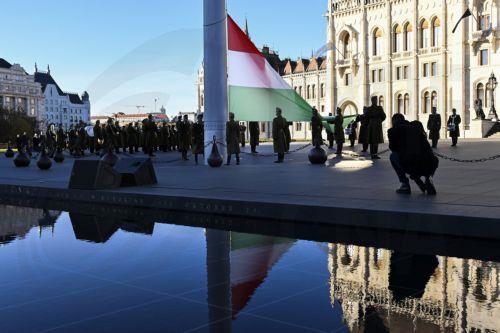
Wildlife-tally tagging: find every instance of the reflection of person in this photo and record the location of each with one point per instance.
(412, 155)
(254, 135)
(339, 131)
(281, 133)
(453, 127)
(243, 131)
(233, 139)
(376, 117)
(316, 128)
(434, 126)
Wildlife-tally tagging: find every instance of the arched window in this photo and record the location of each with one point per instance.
(314, 91)
(436, 32)
(407, 103)
(398, 39)
(381, 101)
(434, 99)
(427, 102)
(424, 34)
(322, 90)
(400, 104)
(346, 47)
(308, 93)
(377, 42)
(480, 94)
(408, 37)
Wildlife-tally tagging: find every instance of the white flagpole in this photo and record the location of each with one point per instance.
(215, 71)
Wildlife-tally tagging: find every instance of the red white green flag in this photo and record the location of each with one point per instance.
(255, 88)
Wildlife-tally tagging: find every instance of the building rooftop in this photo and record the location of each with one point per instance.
(5, 64)
(44, 78)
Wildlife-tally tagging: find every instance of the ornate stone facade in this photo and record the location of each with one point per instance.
(405, 53)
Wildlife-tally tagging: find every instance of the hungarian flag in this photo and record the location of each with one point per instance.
(255, 88)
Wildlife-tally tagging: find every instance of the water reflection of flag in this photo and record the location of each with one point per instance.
(252, 257)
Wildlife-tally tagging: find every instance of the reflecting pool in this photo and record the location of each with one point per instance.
(71, 272)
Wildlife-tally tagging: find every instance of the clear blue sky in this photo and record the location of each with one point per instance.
(94, 44)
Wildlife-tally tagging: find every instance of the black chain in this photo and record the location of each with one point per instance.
(477, 160)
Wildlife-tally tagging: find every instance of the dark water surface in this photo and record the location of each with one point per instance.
(70, 272)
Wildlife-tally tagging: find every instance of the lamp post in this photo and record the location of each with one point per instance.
(492, 85)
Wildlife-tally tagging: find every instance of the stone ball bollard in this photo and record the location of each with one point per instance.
(44, 162)
(317, 155)
(59, 156)
(9, 153)
(110, 158)
(21, 160)
(215, 159)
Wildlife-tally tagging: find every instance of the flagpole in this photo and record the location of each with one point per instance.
(215, 72)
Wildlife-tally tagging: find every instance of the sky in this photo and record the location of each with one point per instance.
(129, 52)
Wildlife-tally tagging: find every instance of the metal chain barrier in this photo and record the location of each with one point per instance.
(477, 160)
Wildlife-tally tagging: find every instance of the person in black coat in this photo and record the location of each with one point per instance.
(339, 132)
(254, 135)
(329, 134)
(376, 116)
(411, 155)
(434, 126)
(316, 128)
(363, 121)
(454, 127)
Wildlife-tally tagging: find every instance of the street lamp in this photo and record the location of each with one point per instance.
(492, 85)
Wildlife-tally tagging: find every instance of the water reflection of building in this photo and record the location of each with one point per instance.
(16, 222)
(459, 295)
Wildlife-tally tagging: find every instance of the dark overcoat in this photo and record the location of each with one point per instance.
(376, 117)
(233, 137)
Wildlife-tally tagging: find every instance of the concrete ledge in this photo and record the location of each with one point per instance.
(313, 215)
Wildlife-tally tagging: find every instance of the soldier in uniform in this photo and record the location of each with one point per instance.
(434, 126)
(339, 131)
(97, 137)
(81, 140)
(131, 138)
(164, 137)
(150, 130)
(453, 127)
(363, 121)
(72, 139)
(376, 117)
(138, 135)
(316, 128)
(353, 132)
(117, 138)
(123, 138)
(184, 134)
(109, 135)
(281, 133)
(51, 140)
(233, 137)
(61, 137)
(198, 139)
(254, 135)
(243, 131)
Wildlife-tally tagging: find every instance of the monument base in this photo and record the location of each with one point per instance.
(479, 128)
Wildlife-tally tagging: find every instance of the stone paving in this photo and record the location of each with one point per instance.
(351, 190)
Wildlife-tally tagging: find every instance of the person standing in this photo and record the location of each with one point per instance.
(198, 138)
(243, 131)
(376, 117)
(254, 135)
(330, 136)
(353, 132)
(454, 127)
(434, 126)
(363, 121)
(338, 132)
(184, 132)
(131, 138)
(233, 136)
(117, 138)
(280, 135)
(149, 135)
(316, 128)
(97, 137)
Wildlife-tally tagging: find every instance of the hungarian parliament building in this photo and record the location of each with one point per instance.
(406, 54)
